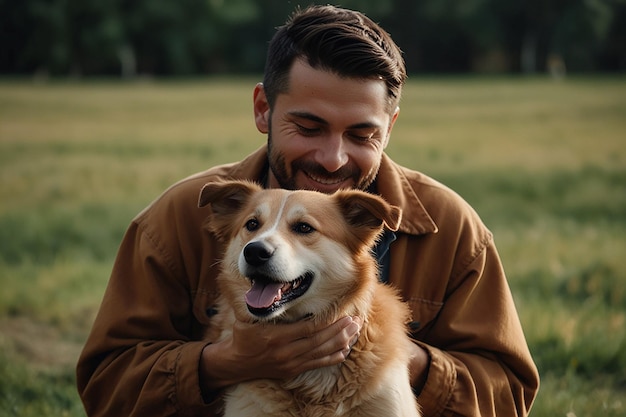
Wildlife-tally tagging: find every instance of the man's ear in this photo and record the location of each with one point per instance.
(392, 121)
(261, 109)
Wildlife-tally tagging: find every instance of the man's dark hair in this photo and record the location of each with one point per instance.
(338, 40)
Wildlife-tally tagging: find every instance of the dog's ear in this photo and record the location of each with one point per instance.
(368, 212)
(225, 198)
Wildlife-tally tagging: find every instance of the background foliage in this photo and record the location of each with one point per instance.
(185, 37)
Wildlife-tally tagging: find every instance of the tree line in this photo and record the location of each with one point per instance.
(190, 37)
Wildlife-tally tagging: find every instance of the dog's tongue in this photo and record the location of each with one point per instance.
(263, 295)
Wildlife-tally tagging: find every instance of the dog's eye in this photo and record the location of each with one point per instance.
(252, 225)
(303, 228)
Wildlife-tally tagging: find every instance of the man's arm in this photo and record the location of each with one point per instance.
(475, 360)
(139, 358)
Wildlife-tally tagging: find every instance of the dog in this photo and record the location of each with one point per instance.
(294, 255)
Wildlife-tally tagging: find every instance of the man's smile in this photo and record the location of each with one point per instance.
(326, 180)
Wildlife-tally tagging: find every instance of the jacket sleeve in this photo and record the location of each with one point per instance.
(480, 362)
(140, 359)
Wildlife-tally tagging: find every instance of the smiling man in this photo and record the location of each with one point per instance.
(327, 104)
(326, 132)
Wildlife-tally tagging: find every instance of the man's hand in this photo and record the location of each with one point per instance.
(276, 351)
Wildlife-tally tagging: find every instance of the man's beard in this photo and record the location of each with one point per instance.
(279, 169)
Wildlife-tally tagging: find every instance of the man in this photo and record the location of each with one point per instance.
(328, 103)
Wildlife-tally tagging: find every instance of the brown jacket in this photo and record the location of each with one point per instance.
(142, 356)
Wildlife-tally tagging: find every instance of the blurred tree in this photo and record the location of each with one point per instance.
(570, 31)
(579, 31)
(247, 26)
(94, 36)
(612, 56)
(241, 33)
(168, 37)
(185, 37)
(33, 36)
(443, 35)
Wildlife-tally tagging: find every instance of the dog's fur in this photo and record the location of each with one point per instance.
(326, 239)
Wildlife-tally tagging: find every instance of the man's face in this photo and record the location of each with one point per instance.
(326, 132)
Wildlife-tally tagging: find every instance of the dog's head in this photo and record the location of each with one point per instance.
(294, 253)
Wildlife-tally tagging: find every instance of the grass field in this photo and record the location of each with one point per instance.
(543, 162)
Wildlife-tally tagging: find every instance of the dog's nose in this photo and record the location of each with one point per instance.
(257, 253)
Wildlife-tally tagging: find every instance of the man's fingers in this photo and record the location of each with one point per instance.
(333, 339)
(286, 350)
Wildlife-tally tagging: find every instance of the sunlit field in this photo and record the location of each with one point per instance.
(543, 162)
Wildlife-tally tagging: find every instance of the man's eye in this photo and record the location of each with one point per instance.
(303, 228)
(361, 137)
(307, 131)
(252, 225)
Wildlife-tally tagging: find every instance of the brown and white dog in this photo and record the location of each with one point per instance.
(292, 255)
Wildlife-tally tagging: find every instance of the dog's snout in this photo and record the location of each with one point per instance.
(257, 253)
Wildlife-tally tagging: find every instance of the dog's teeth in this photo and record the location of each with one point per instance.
(296, 284)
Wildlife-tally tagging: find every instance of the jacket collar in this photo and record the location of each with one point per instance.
(392, 184)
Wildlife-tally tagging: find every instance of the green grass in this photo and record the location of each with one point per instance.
(543, 162)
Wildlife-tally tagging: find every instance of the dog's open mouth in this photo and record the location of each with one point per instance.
(267, 295)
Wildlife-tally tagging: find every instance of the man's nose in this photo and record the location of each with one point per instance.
(332, 153)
